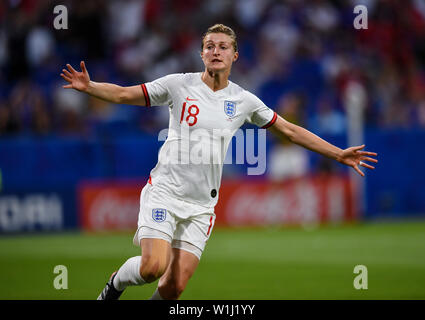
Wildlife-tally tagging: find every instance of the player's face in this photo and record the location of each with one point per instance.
(218, 53)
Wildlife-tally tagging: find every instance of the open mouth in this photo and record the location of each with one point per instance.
(216, 60)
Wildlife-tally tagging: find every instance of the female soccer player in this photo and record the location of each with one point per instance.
(176, 214)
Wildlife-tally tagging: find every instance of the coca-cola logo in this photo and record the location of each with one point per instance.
(110, 210)
(300, 202)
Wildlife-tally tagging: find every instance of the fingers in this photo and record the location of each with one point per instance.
(73, 71)
(67, 73)
(358, 147)
(83, 67)
(68, 86)
(66, 78)
(367, 153)
(358, 170)
(354, 152)
(366, 165)
(369, 159)
(364, 153)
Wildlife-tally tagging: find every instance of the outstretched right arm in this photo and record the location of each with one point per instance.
(106, 91)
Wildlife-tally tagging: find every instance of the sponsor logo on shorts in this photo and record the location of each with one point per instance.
(159, 215)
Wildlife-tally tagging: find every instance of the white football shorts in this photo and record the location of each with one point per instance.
(162, 217)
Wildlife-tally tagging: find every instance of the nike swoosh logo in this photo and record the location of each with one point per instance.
(188, 99)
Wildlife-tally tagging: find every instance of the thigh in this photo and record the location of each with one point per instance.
(156, 255)
(181, 268)
(155, 249)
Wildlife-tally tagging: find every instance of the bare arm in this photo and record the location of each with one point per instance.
(352, 157)
(106, 91)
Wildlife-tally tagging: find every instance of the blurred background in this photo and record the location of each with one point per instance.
(72, 162)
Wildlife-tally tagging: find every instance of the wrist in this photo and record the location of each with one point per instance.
(90, 87)
(338, 156)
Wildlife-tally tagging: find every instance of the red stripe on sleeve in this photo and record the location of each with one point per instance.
(272, 121)
(145, 92)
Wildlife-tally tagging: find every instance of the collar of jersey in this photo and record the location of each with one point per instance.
(213, 93)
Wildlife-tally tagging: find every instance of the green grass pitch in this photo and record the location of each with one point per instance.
(243, 263)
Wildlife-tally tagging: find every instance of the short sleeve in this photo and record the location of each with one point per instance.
(157, 92)
(261, 115)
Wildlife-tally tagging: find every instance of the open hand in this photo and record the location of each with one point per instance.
(76, 80)
(353, 157)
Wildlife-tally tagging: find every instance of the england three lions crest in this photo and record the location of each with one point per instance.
(159, 215)
(230, 108)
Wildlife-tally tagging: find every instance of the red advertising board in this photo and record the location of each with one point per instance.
(109, 205)
(309, 200)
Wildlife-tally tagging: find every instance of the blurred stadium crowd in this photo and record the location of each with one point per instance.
(296, 55)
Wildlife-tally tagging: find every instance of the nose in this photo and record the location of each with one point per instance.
(216, 51)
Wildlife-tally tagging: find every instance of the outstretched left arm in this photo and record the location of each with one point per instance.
(352, 157)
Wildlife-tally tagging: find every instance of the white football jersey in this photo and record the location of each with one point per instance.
(201, 125)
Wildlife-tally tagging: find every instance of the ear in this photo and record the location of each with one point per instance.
(235, 56)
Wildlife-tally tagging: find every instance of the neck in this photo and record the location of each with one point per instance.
(215, 80)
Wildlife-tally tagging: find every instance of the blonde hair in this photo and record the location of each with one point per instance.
(221, 28)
